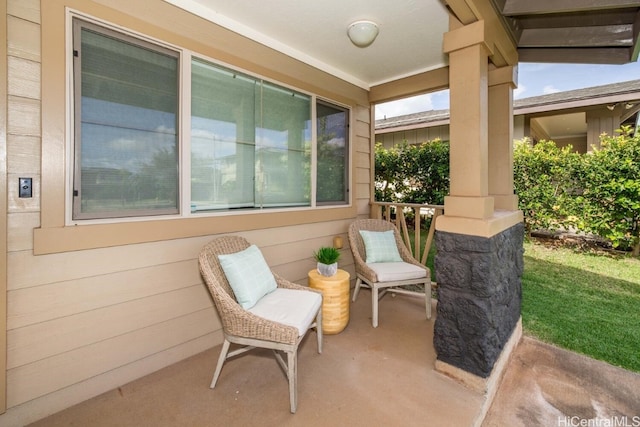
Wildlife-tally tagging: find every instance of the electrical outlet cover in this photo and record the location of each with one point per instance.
(26, 187)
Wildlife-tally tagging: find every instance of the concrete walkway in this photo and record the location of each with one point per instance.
(548, 386)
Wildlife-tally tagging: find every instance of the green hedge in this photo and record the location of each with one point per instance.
(558, 189)
(595, 193)
(412, 173)
(547, 180)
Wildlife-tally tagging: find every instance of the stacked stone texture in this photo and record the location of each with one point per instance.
(479, 297)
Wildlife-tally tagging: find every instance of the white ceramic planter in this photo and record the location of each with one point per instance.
(327, 270)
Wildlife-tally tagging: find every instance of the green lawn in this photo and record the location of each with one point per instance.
(585, 302)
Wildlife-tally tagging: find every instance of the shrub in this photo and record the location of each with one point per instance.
(387, 173)
(557, 188)
(611, 196)
(412, 173)
(547, 181)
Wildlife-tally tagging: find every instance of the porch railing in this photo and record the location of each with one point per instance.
(396, 213)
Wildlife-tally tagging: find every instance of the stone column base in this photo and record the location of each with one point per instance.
(487, 386)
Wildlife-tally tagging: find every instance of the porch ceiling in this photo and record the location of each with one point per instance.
(315, 32)
(411, 31)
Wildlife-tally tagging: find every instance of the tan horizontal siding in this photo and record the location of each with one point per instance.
(23, 116)
(93, 386)
(414, 136)
(362, 130)
(28, 10)
(42, 340)
(3, 205)
(24, 78)
(23, 38)
(43, 303)
(362, 162)
(26, 270)
(20, 230)
(51, 374)
(23, 154)
(363, 207)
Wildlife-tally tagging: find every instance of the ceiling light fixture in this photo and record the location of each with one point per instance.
(362, 33)
(611, 107)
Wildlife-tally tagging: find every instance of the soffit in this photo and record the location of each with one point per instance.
(573, 31)
(409, 42)
(564, 125)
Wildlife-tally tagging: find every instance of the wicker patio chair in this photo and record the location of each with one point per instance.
(242, 327)
(382, 277)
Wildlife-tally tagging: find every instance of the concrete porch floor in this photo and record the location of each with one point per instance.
(364, 377)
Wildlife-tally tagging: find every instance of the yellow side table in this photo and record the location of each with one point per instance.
(335, 299)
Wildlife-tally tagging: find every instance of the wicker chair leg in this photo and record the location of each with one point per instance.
(427, 295)
(221, 360)
(292, 373)
(374, 306)
(319, 330)
(356, 289)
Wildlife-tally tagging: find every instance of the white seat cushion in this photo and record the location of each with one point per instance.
(396, 271)
(289, 306)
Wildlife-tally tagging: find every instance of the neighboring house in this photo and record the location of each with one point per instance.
(149, 127)
(576, 117)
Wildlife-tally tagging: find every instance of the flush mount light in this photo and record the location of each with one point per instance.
(362, 33)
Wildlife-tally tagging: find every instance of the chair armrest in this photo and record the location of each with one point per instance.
(284, 283)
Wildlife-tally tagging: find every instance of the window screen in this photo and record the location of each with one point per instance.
(126, 133)
(250, 142)
(333, 154)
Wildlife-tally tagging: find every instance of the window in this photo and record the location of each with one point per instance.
(333, 153)
(126, 133)
(249, 142)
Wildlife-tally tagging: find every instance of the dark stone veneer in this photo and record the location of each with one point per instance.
(479, 297)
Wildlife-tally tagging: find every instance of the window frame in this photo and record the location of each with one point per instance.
(185, 57)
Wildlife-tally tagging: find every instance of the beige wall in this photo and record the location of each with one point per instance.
(3, 210)
(578, 143)
(597, 125)
(413, 136)
(599, 122)
(94, 307)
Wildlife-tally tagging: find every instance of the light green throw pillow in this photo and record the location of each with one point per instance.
(380, 246)
(249, 275)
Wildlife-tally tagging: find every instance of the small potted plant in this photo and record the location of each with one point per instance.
(327, 258)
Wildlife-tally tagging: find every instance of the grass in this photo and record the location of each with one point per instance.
(583, 301)
(432, 251)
